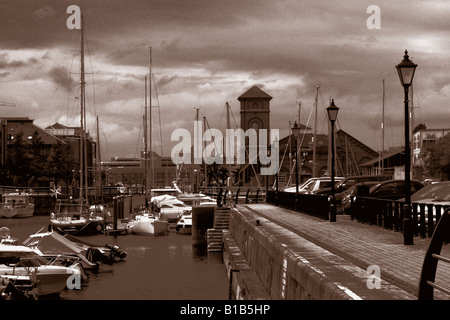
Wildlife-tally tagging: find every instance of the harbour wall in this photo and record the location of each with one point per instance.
(265, 261)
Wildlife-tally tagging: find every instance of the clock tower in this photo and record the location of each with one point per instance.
(255, 114)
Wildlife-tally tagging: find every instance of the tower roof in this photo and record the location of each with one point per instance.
(254, 93)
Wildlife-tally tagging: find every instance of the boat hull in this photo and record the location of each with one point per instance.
(148, 226)
(17, 213)
(184, 229)
(77, 227)
(184, 226)
(49, 280)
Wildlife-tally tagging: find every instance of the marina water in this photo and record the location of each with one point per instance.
(163, 267)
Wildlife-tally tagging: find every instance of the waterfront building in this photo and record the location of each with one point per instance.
(130, 171)
(27, 153)
(71, 137)
(421, 140)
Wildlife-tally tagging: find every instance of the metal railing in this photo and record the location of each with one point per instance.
(315, 205)
(240, 194)
(383, 213)
(389, 214)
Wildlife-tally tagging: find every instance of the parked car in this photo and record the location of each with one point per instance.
(437, 194)
(314, 184)
(393, 189)
(350, 181)
(348, 196)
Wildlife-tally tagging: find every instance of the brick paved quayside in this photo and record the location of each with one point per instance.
(360, 244)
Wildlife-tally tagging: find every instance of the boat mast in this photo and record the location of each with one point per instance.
(150, 123)
(145, 146)
(411, 127)
(317, 86)
(382, 134)
(205, 165)
(228, 127)
(98, 164)
(298, 145)
(82, 106)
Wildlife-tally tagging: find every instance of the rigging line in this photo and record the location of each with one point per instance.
(215, 146)
(325, 119)
(69, 79)
(282, 160)
(159, 115)
(288, 142)
(235, 124)
(221, 117)
(106, 141)
(139, 141)
(94, 109)
(301, 141)
(417, 101)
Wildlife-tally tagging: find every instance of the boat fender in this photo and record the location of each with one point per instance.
(115, 251)
(99, 227)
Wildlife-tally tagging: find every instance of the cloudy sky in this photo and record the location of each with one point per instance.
(207, 52)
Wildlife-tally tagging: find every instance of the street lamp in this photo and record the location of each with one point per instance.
(332, 111)
(296, 133)
(406, 70)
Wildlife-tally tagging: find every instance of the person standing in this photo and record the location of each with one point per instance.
(230, 187)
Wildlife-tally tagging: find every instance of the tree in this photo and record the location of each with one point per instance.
(419, 127)
(217, 174)
(18, 160)
(38, 164)
(60, 165)
(436, 158)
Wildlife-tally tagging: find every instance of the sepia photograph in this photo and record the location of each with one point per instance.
(224, 158)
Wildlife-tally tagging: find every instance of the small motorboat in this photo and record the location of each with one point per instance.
(16, 205)
(52, 244)
(184, 225)
(19, 263)
(170, 210)
(145, 223)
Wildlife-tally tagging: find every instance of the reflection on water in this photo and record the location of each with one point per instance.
(156, 268)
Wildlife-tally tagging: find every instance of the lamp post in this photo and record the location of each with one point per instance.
(332, 112)
(406, 70)
(296, 133)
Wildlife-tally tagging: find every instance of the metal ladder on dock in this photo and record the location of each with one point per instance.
(221, 222)
(440, 236)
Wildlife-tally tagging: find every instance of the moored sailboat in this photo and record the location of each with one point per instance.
(144, 221)
(74, 217)
(70, 215)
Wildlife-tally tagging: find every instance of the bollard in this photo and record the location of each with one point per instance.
(115, 213)
(202, 220)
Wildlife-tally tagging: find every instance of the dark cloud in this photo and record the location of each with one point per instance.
(62, 78)
(206, 52)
